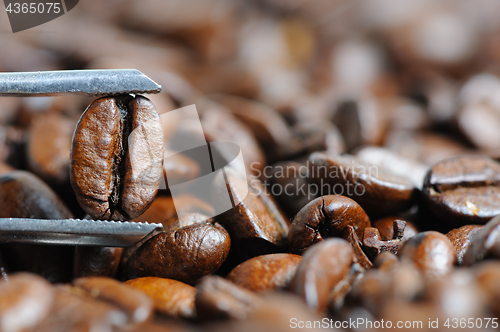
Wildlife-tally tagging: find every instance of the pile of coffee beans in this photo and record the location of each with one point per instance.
(368, 133)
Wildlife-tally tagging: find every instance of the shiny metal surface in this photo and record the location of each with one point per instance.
(83, 82)
(81, 232)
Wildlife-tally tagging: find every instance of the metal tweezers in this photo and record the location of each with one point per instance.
(81, 232)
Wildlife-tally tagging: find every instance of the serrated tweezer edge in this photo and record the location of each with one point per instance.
(75, 231)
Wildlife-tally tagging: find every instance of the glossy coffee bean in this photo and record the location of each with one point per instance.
(170, 297)
(219, 299)
(25, 300)
(324, 217)
(464, 190)
(386, 228)
(116, 157)
(256, 225)
(185, 254)
(461, 239)
(137, 305)
(486, 243)
(96, 261)
(266, 272)
(378, 191)
(432, 253)
(23, 195)
(323, 266)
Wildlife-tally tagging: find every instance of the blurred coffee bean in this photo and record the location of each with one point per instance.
(288, 183)
(325, 217)
(170, 297)
(321, 269)
(23, 195)
(219, 299)
(49, 145)
(461, 239)
(386, 262)
(432, 253)
(378, 190)
(124, 158)
(266, 272)
(135, 303)
(256, 225)
(463, 190)
(487, 275)
(185, 254)
(180, 167)
(312, 137)
(398, 165)
(386, 228)
(25, 300)
(485, 244)
(96, 261)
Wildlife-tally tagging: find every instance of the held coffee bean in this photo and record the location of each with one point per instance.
(116, 157)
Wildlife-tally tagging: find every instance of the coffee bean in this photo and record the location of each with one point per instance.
(431, 252)
(96, 261)
(487, 275)
(135, 303)
(325, 217)
(485, 244)
(116, 157)
(461, 239)
(386, 262)
(378, 191)
(323, 266)
(386, 228)
(25, 300)
(256, 225)
(266, 272)
(185, 254)
(218, 299)
(170, 297)
(464, 190)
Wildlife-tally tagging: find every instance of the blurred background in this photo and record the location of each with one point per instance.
(286, 77)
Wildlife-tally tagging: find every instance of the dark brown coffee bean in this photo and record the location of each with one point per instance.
(431, 252)
(350, 236)
(96, 261)
(461, 239)
(265, 273)
(185, 254)
(377, 190)
(23, 195)
(373, 244)
(170, 297)
(49, 146)
(25, 300)
(116, 157)
(322, 268)
(386, 228)
(324, 217)
(256, 225)
(135, 303)
(464, 190)
(219, 299)
(486, 243)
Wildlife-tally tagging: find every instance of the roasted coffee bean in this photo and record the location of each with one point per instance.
(373, 244)
(96, 261)
(25, 300)
(116, 157)
(432, 253)
(464, 190)
(324, 217)
(23, 195)
(256, 224)
(323, 266)
(136, 304)
(185, 254)
(461, 239)
(487, 275)
(378, 191)
(49, 146)
(170, 297)
(386, 262)
(218, 299)
(386, 228)
(350, 236)
(485, 244)
(265, 273)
